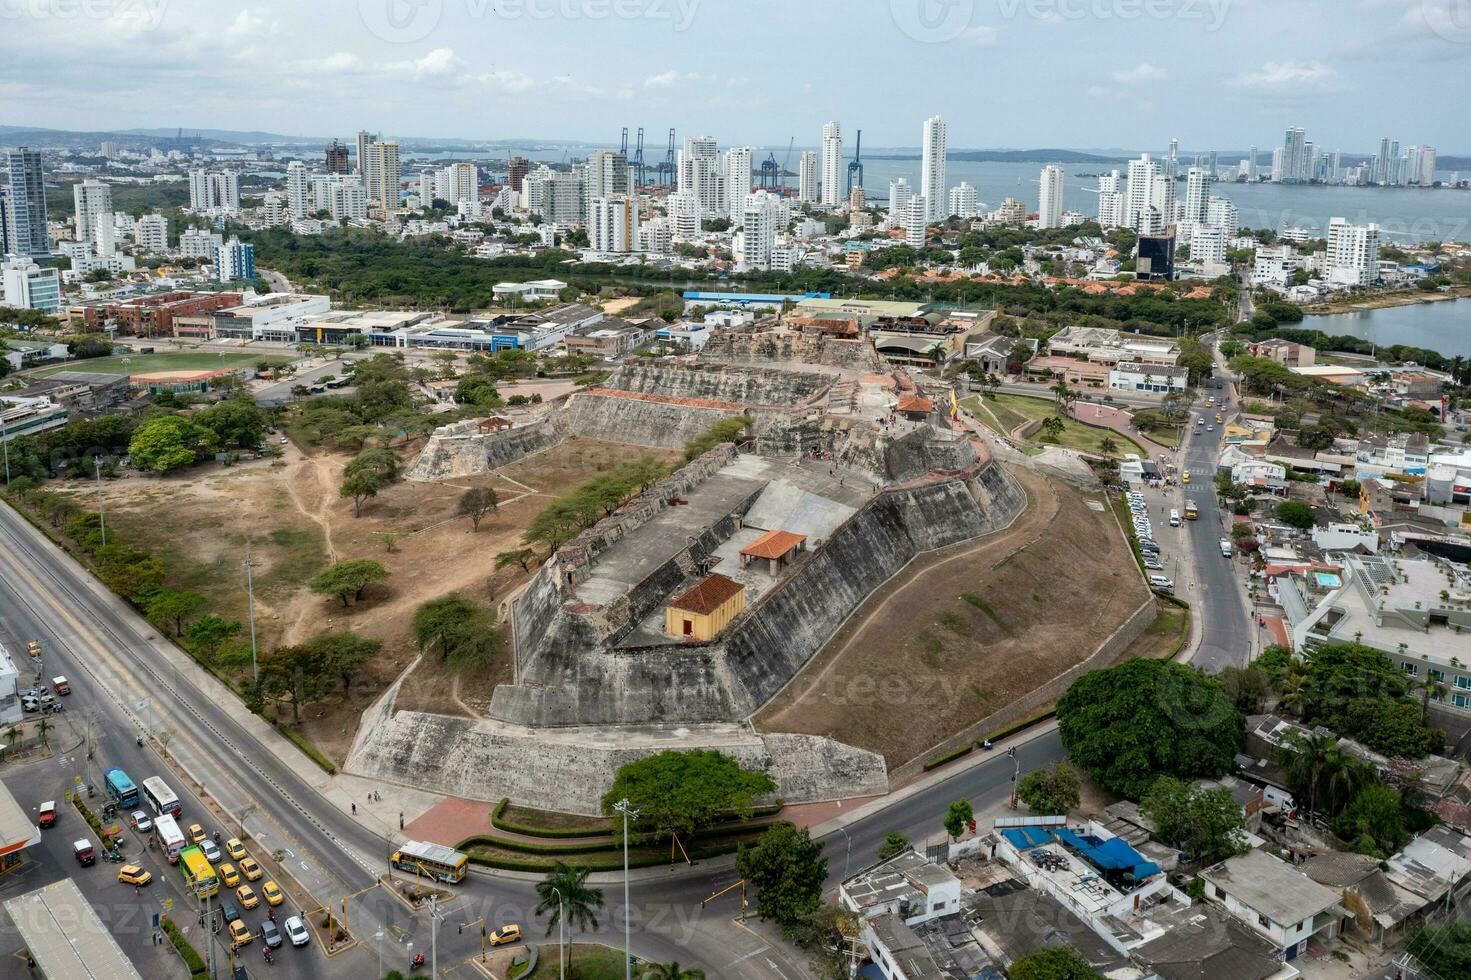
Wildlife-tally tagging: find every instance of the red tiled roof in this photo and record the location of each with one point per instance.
(773, 544)
(914, 403)
(709, 595)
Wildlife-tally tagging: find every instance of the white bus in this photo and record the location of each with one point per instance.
(170, 838)
(160, 797)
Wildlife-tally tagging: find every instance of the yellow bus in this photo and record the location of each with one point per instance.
(431, 861)
(1190, 512)
(199, 877)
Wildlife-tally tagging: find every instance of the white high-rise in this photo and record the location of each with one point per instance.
(899, 195)
(698, 167)
(684, 214)
(1197, 193)
(606, 176)
(463, 183)
(151, 233)
(613, 224)
(963, 201)
(807, 178)
(655, 236)
(1208, 245)
(1110, 201)
(1143, 175)
(933, 147)
(93, 200)
(916, 218)
(349, 200)
(364, 143)
(1251, 164)
(383, 174)
(297, 199)
(214, 190)
(1049, 208)
(1353, 253)
(1427, 166)
(737, 166)
(832, 164)
(1221, 213)
(763, 215)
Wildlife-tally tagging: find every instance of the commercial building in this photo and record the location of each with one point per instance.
(29, 286)
(1284, 352)
(10, 712)
(274, 317)
(610, 337)
(1106, 346)
(1154, 378)
(535, 291)
(24, 207)
(63, 935)
(1154, 255)
(1336, 373)
(153, 315)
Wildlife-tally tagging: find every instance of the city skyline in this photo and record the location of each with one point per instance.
(1260, 77)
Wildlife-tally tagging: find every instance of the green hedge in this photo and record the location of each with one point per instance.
(608, 859)
(499, 822)
(947, 757)
(310, 750)
(190, 955)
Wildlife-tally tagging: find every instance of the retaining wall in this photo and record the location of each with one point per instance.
(655, 424)
(749, 386)
(859, 444)
(768, 348)
(462, 449)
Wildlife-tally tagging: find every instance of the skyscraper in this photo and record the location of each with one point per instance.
(1049, 207)
(1110, 201)
(1139, 199)
(613, 223)
(737, 175)
(1197, 193)
(762, 215)
(832, 164)
(336, 154)
(383, 172)
(916, 215)
(25, 210)
(516, 171)
(297, 199)
(93, 201)
(1427, 166)
(933, 147)
(899, 194)
(1294, 156)
(1353, 253)
(1251, 165)
(605, 178)
(698, 167)
(365, 141)
(1171, 166)
(807, 177)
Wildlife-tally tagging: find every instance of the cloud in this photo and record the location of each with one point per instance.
(1140, 73)
(340, 63)
(436, 64)
(249, 24)
(1275, 76)
(981, 37)
(507, 81)
(662, 80)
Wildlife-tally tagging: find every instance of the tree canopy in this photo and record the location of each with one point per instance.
(787, 869)
(1056, 963)
(170, 442)
(1203, 823)
(1127, 725)
(678, 792)
(346, 580)
(1053, 789)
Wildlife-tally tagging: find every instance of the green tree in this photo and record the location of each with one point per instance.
(787, 870)
(678, 792)
(1056, 963)
(479, 391)
(672, 971)
(565, 894)
(1053, 789)
(1444, 948)
(465, 632)
(1052, 427)
(725, 430)
(475, 503)
(1107, 446)
(237, 422)
(1203, 823)
(131, 574)
(347, 579)
(519, 556)
(559, 522)
(291, 675)
(1125, 726)
(343, 653)
(380, 462)
(1317, 767)
(168, 610)
(359, 487)
(894, 845)
(209, 632)
(958, 816)
(1247, 687)
(169, 442)
(1374, 821)
(1295, 513)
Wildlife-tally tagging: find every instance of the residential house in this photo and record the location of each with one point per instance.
(1284, 352)
(1274, 900)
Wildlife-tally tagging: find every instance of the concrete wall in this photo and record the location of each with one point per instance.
(571, 772)
(656, 424)
(739, 385)
(462, 449)
(859, 444)
(769, 348)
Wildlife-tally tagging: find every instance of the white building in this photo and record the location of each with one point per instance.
(151, 233)
(463, 182)
(698, 167)
(613, 224)
(199, 243)
(349, 201)
(214, 190)
(684, 214)
(1197, 194)
(916, 214)
(963, 201)
(554, 195)
(807, 177)
(1208, 245)
(832, 164)
(737, 178)
(234, 260)
(1158, 378)
(535, 291)
(1274, 899)
(900, 194)
(298, 198)
(1353, 253)
(656, 236)
(29, 286)
(1110, 201)
(1049, 210)
(10, 709)
(93, 200)
(1141, 208)
(605, 177)
(384, 175)
(763, 214)
(1221, 213)
(934, 144)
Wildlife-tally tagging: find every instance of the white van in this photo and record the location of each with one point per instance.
(1174, 518)
(1162, 583)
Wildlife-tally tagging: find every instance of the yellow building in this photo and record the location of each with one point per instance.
(705, 610)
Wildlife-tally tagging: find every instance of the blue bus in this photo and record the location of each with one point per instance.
(120, 787)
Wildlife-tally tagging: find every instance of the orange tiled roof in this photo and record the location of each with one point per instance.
(773, 544)
(914, 403)
(709, 595)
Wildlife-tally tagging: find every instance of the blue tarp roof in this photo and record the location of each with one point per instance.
(1114, 854)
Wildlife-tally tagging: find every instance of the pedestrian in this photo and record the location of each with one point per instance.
(354, 809)
(400, 820)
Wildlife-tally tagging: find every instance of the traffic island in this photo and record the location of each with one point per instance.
(414, 893)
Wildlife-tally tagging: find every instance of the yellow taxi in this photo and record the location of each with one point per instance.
(196, 834)
(239, 933)
(234, 848)
(273, 893)
(506, 934)
(250, 869)
(229, 877)
(131, 874)
(247, 896)
(1184, 477)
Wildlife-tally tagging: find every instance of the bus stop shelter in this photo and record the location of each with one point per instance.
(64, 937)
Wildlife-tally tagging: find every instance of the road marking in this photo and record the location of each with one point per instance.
(754, 952)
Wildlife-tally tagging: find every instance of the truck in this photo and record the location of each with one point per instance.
(1226, 547)
(60, 685)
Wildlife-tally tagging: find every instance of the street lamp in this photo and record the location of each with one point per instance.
(629, 813)
(250, 609)
(1016, 773)
(847, 850)
(378, 941)
(561, 935)
(101, 519)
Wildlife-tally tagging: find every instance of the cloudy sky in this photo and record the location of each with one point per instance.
(1005, 73)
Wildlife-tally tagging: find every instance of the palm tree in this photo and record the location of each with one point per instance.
(1430, 687)
(1107, 446)
(1304, 757)
(1342, 778)
(42, 728)
(564, 891)
(12, 735)
(671, 971)
(1294, 691)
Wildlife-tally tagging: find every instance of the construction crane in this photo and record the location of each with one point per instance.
(771, 175)
(855, 166)
(666, 170)
(638, 160)
(623, 144)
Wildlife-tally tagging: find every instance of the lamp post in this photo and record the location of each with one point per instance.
(250, 609)
(101, 518)
(561, 936)
(434, 915)
(847, 850)
(1016, 773)
(378, 941)
(629, 812)
(5, 447)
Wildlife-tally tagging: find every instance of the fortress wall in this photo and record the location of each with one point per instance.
(656, 424)
(462, 449)
(766, 348)
(717, 382)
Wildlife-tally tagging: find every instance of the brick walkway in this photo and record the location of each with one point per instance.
(451, 821)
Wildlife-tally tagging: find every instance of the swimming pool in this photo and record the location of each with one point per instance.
(1328, 580)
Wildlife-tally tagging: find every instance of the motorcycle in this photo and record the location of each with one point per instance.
(266, 951)
(417, 963)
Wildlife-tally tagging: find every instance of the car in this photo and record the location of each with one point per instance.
(234, 848)
(30, 704)
(297, 931)
(1184, 477)
(269, 934)
(131, 874)
(506, 934)
(285, 441)
(250, 869)
(247, 897)
(196, 834)
(1153, 565)
(1226, 547)
(240, 934)
(272, 893)
(228, 912)
(211, 851)
(1210, 428)
(229, 877)
(142, 822)
(82, 851)
(47, 815)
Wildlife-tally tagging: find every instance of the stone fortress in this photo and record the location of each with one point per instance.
(760, 553)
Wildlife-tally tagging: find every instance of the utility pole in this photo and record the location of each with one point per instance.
(101, 519)
(5, 447)
(561, 913)
(1016, 773)
(847, 850)
(433, 937)
(629, 812)
(250, 608)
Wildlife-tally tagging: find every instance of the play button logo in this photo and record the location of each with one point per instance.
(400, 21)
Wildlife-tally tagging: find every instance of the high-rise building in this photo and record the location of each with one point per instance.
(613, 223)
(151, 233)
(384, 172)
(28, 286)
(336, 155)
(365, 141)
(1251, 165)
(108, 149)
(214, 190)
(933, 147)
(1294, 157)
(963, 201)
(298, 199)
(555, 195)
(763, 215)
(684, 214)
(698, 166)
(1221, 213)
(1197, 194)
(1427, 166)
(463, 181)
(349, 200)
(1208, 245)
(234, 260)
(656, 236)
(737, 178)
(807, 177)
(516, 172)
(1110, 201)
(1142, 198)
(899, 194)
(832, 164)
(25, 208)
(1171, 165)
(1049, 208)
(606, 176)
(916, 218)
(1353, 253)
(93, 202)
